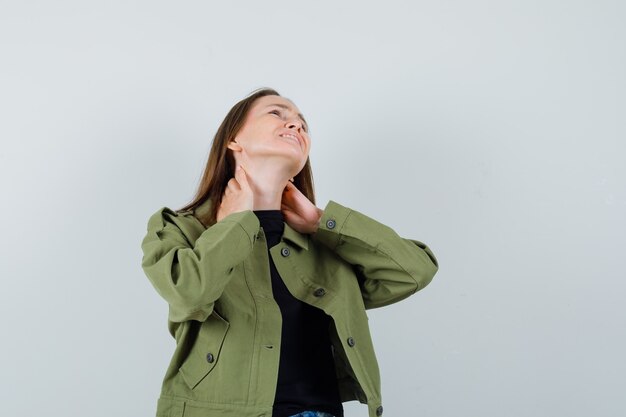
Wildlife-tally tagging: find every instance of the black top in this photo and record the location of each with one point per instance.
(306, 373)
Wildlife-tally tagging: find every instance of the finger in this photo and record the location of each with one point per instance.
(289, 186)
(287, 195)
(292, 189)
(233, 185)
(241, 176)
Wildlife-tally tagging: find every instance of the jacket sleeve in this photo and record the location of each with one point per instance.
(389, 268)
(192, 277)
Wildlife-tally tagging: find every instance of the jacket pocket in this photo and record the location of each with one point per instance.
(206, 349)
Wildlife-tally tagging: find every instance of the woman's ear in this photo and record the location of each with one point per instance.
(233, 145)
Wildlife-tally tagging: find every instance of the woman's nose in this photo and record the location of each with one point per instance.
(294, 124)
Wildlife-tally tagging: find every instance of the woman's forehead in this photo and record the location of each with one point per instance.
(266, 101)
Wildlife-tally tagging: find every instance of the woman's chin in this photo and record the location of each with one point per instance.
(292, 161)
(290, 154)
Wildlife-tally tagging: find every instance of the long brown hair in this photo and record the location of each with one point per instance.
(220, 167)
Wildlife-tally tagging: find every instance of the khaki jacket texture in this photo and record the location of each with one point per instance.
(226, 324)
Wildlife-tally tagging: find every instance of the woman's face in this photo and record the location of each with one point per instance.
(274, 131)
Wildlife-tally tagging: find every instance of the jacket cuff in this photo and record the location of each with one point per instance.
(331, 223)
(248, 221)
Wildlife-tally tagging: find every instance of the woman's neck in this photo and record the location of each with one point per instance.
(267, 184)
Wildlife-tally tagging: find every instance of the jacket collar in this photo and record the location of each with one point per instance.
(296, 237)
(300, 239)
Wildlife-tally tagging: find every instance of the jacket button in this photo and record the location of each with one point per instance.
(284, 251)
(330, 224)
(319, 292)
(209, 357)
(379, 411)
(351, 341)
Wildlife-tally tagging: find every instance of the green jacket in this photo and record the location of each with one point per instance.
(227, 325)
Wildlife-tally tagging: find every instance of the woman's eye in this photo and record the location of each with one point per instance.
(277, 112)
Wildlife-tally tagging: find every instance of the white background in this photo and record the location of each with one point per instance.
(491, 130)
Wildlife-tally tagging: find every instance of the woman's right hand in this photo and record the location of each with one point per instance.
(238, 195)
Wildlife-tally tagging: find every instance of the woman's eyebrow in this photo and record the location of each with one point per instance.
(288, 108)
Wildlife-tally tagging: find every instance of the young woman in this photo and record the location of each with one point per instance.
(267, 292)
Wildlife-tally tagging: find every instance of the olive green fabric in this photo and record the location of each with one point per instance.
(227, 326)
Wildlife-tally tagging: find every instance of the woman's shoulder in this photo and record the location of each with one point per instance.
(187, 221)
(201, 212)
(166, 213)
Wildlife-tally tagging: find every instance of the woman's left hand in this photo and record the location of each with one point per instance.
(299, 212)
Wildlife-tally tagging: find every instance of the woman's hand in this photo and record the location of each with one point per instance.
(302, 215)
(238, 195)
